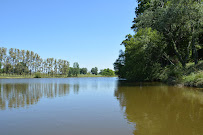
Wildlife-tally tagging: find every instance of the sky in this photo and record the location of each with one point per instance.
(85, 31)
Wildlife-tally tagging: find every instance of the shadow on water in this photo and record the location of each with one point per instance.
(157, 109)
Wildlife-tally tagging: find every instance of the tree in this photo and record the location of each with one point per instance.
(23, 55)
(8, 68)
(65, 67)
(107, 72)
(0, 68)
(23, 62)
(94, 71)
(21, 68)
(167, 32)
(70, 72)
(76, 69)
(119, 65)
(55, 66)
(83, 71)
(179, 22)
(143, 52)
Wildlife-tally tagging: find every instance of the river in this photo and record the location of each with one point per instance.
(98, 106)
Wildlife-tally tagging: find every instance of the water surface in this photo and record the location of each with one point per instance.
(98, 106)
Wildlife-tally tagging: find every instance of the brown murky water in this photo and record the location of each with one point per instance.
(98, 106)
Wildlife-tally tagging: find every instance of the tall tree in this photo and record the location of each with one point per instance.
(179, 22)
(76, 69)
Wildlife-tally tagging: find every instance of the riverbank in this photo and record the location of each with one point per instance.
(194, 75)
(45, 76)
(191, 75)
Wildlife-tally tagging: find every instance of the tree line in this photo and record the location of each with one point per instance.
(168, 34)
(24, 62)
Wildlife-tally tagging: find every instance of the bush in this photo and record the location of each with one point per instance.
(107, 72)
(37, 75)
(194, 79)
(171, 74)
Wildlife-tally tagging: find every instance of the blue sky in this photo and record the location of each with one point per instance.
(85, 31)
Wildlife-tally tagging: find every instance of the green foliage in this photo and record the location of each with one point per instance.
(171, 74)
(180, 22)
(167, 36)
(142, 55)
(94, 71)
(0, 68)
(8, 68)
(75, 70)
(25, 62)
(119, 65)
(16, 62)
(107, 72)
(37, 75)
(194, 79)
(83, 71)
(70, 73)
(21, 68)
(191, 67)
(65, 67)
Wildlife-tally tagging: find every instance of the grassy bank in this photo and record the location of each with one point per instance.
(46, 76)
(191, 75)
(15, 76)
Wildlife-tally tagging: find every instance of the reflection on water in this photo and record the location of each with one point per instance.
(98, 106)
(69, 106)
(162, 110)
(16, 93)
(22, 95)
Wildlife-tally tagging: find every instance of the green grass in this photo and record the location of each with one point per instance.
(193, 75)
(6, 76)
(89, 75)
(195, 79)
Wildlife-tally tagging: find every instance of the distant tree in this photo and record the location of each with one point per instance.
(21, 68)
(76, 69)
(55, 66)
(107, 72)
(23, 55)
(27, 62)
(0, 68)
(94, 71)
(51, 64)
(65, 67)
(8, 68)
(70, 72)
(83, 71)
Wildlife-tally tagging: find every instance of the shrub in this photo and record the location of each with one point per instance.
(172, 74)
(194, 79)
(107, 72)
(37, 75)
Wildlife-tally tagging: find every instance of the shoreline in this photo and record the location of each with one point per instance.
(32, 77)
(168, 82)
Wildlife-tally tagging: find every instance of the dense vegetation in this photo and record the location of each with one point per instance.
(107, 72)
(168, 35)
(27, 63)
